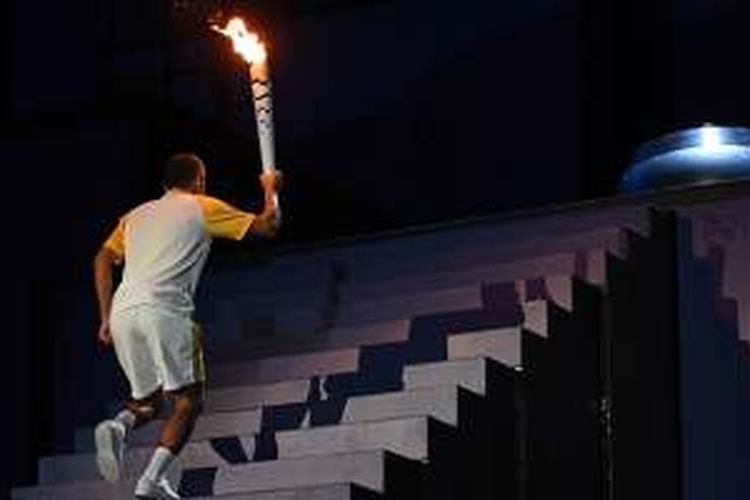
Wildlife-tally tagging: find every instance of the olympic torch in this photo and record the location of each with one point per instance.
(248, 45)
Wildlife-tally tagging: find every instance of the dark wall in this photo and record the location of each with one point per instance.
(628, 83)
(711, 81)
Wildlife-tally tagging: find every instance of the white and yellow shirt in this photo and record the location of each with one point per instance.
(165, 243)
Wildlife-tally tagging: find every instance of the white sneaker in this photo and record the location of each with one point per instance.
(110, 443)
(159, 489)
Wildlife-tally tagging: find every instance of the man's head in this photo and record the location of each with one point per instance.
(185, 171)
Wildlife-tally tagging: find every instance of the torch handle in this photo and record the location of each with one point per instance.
(263, 103)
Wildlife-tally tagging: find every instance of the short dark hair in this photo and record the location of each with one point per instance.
(181, 171)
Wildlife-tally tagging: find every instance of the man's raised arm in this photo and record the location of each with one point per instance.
(267, 222)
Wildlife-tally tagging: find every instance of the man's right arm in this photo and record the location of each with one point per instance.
(225, 221)
(267, 222)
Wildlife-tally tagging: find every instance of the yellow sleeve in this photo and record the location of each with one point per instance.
(223, 220)
(116, 241)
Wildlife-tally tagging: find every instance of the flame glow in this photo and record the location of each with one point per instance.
(246, 43)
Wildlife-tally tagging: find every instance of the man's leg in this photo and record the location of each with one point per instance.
(134, 357)
(187, 404)
(111, 435)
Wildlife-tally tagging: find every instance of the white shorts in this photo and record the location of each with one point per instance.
(157, 349)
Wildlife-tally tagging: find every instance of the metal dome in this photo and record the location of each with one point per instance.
(696, 156)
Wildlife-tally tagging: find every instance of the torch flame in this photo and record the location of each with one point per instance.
(246, 43)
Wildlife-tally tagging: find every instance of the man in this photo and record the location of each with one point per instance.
(164, 244)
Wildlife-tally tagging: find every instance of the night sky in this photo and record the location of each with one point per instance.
(389, 114)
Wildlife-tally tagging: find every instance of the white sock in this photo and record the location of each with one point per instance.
(127, 419)
(160, 462)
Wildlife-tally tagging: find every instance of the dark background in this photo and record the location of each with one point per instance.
(389, 114)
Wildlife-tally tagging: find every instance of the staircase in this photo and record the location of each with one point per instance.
(519, 359)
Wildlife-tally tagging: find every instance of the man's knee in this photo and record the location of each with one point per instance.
(189, 402)
(148, 407)
(188, 405)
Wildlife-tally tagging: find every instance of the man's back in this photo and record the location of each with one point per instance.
(166, 246)
(166, 243)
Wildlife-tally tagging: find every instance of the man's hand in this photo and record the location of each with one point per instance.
(105, 334)
(267, 223)
(271, 181)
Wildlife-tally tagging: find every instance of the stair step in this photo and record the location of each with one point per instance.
(330, 492)
(426, 255)
(369, 469)
(257, 344)
(415, 256)
(280, 368)
(257, 339)
(439, 403)
(406, 436)
(238, 407)
(249, 396)
(288, 318)
(471, 374)
(501, 344)
(587, 266)
(255, 325)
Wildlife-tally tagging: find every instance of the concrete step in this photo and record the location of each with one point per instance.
(209, 425)
(409, 305)
(471, 374)
(554, 288)
(249, 396)
(425, 253)
(249, 317)
(408, 437)
(531, 315)
(304, 315)
(239, 407)
(349, 337)
(587, 265)
(344, 491)
(439, 403)
(280, 368)
(378, 470)
(501, 344)
(260, 344)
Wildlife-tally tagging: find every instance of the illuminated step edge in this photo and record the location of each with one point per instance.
(460, 345)
(341, 491)
(439, 403)
(238, 407)
(251, 330)
(282, 368)
(556, 288)
(301, 317)
(366, 469)
(417, 256)
(406, 436)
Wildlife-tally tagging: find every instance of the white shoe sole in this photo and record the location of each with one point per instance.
(106, 458)
(154, 492)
